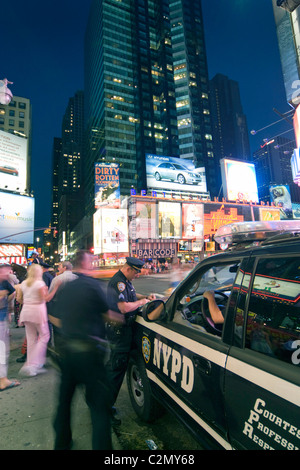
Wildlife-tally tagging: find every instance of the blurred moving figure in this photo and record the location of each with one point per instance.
(32, 294)
(81, 306)
(7, 292)
(64, 275)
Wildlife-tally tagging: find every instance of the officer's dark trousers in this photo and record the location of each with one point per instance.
(83, 368)
(118, 361)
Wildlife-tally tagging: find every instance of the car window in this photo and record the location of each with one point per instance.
(189, 308)
(273, 321)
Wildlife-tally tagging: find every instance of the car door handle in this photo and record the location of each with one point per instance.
(202, 364)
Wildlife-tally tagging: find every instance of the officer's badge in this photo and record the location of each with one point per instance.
(146, 348)
(121, 286)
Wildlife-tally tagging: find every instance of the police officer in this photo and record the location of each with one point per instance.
(122, 298)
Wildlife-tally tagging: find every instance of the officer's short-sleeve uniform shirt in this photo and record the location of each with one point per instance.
(120, 289)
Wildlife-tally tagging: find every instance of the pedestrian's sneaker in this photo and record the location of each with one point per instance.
(28, 371)
(40, 370)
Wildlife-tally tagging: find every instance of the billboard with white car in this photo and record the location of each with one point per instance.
(175, 174)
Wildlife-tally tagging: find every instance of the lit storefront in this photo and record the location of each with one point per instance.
(184, 228)
(13, 254)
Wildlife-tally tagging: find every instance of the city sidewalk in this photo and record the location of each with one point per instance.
(27, 411)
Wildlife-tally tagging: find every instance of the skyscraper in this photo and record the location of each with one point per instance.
(69, 168)
(287, 20)
(230, 131)
(56, 156)
(145, 81)
(192, 87)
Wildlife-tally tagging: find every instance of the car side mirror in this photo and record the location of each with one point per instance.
(153, 310)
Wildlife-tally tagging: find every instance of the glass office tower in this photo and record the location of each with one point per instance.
(192, 87)
(137, 97)
(130, 97)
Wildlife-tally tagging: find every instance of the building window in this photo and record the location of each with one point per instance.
(22, 105)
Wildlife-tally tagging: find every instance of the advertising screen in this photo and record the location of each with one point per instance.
(145, 223)
(296, 211)
(239, 180)
(295, 164)
(175, 174)
(268, 214)
(217, 215)
(16, 218)
(169, 219)
(297, 125)
(13, 162)
(107, 185)
(280, 195)
(192, 221)
(111, 231)
(184, 245)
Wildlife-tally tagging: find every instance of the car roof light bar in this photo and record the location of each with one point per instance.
(243, 232)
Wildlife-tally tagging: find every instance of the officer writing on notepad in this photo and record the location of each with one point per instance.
(122, 298)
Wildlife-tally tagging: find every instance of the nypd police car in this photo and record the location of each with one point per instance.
(235, 385)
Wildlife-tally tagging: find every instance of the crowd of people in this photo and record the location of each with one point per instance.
(90, 329)
(154, 267)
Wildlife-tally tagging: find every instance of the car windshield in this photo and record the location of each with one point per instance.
(215, 278)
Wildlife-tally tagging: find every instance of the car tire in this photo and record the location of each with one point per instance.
(181, 179)
(144, 404)
(157, 176)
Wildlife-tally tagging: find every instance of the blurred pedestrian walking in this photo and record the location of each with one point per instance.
(64, 275)
(81, 306)
(33, 296)
(7, 292)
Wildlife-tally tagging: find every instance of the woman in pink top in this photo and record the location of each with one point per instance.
(32, 293)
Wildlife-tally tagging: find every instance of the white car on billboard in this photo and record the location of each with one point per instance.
(177, 173)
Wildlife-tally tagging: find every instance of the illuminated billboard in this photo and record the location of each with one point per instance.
(280, 195)
(169, 219)
(111, 231)
(107, 185)
(145, 222)
(217, 215)
(239, 180)
(296, 120)
(16, 218)
(174, 174)
(192, 221)
(296, 211)
(268, 214)
(13, 162)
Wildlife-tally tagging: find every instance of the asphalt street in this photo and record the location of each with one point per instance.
(27, 411)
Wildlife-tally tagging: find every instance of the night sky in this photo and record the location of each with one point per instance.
(42, 53)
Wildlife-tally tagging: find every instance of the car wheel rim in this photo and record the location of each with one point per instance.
(137, 386)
